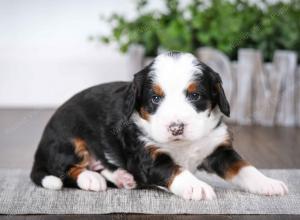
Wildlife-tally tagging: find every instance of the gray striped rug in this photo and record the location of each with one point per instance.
(18, 195)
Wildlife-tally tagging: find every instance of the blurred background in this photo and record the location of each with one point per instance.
(50, 50)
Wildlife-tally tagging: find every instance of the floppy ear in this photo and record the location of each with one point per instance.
(219, 94)
(134, 91)
(130, 100)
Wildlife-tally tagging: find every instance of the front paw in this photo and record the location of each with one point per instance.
(189, 187)
(269, 187)
(250, 179)
(198, 191)
(90, 180)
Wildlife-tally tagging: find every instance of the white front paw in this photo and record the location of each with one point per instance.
(198, 191)
(269, 187)
(189, 187)
(250, 179)
(90, 180)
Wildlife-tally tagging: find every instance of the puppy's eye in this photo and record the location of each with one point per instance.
(194, 96)
(156, 99)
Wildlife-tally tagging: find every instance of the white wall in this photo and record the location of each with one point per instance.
(45, 54)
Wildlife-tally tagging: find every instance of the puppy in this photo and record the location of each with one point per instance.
(155, 131)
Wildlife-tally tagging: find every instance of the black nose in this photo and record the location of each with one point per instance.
(176, 128)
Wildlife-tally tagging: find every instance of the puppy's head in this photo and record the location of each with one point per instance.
(177, 97)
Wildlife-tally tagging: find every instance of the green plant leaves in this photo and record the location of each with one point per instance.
(226, 25)
(175, 36)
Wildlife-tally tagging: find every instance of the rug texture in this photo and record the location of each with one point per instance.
(18, 195)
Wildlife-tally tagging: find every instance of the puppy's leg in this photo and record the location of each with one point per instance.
(120, 177)
(159, 169)
(228, 164)
(86, 179)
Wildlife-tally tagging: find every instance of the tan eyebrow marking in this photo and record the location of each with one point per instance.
(192, 87)
(158, 90)
(154, 151)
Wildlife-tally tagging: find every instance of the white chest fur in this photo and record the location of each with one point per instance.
(191, 155)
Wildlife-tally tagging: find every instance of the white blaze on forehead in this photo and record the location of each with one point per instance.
(174, 73)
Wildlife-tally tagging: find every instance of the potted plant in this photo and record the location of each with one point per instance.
(259, 92)
(225, 25)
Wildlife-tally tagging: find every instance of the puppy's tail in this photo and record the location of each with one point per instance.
(42, 178)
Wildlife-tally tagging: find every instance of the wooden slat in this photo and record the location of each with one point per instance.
(285, 64)
(266, 92)
(269, 96)
(246, 68)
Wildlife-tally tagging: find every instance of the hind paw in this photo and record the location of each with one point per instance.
(52, 182)
(123, 179)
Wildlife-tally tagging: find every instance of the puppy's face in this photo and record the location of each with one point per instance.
(176, 97)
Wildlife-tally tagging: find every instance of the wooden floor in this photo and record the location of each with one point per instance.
(274, 147)
(152, 217)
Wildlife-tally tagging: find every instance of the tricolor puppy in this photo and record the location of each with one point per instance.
(155, 131)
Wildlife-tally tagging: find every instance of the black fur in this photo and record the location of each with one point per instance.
(145, 90)
(221, 160)
(213, 84)
(101, 117)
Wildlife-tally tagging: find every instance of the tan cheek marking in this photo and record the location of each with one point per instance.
(235, 168)
(158, 90)
(80, 149)
(153, 151)
(192, 88)
(144, 114)
(176, 171)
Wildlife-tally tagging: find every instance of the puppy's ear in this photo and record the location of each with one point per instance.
(218, 93)
(134, 93)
